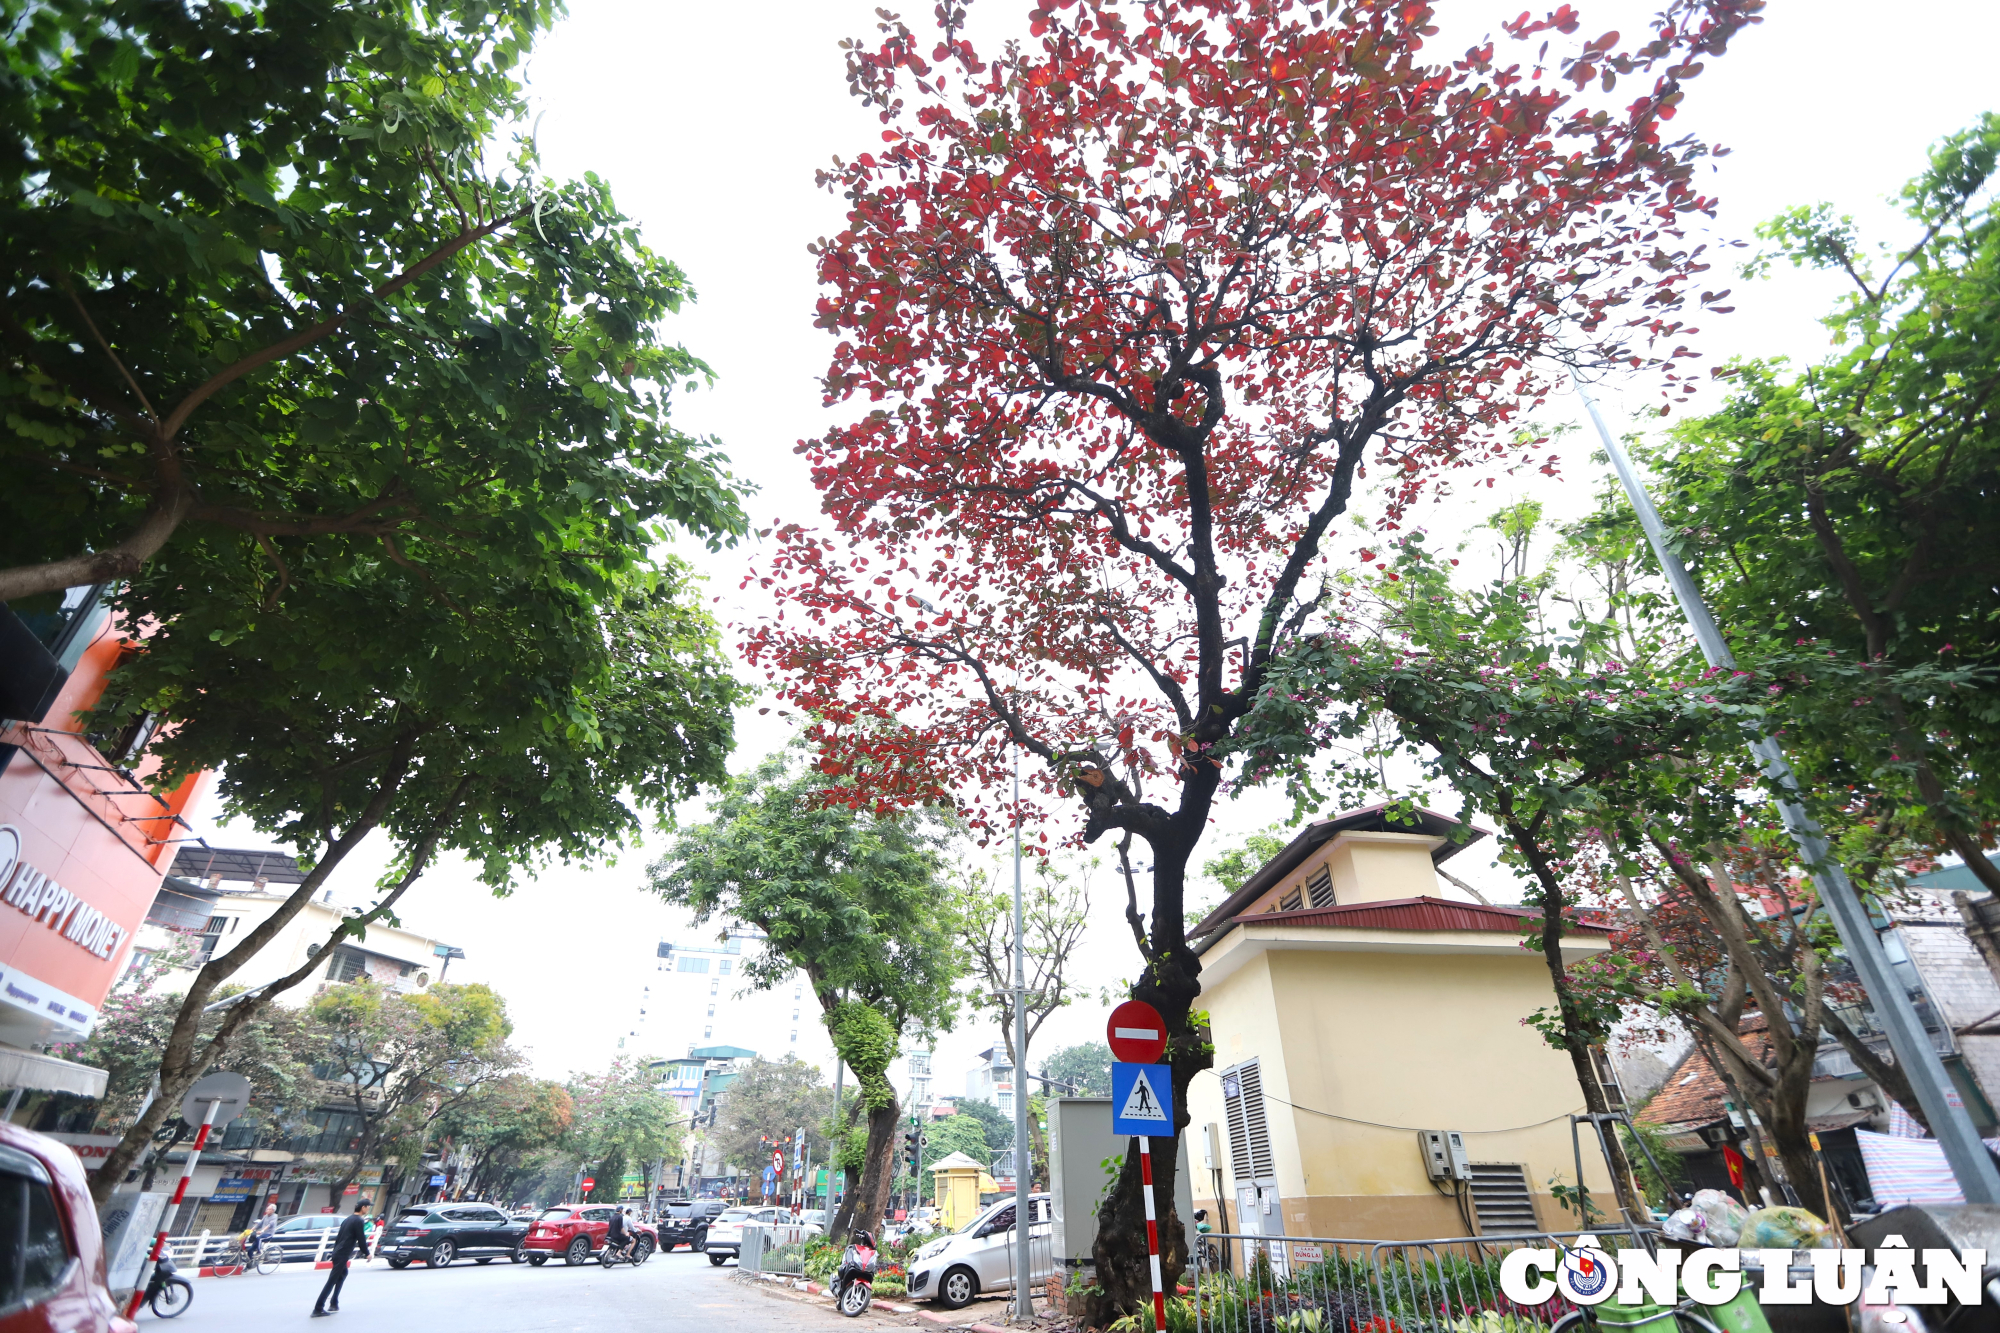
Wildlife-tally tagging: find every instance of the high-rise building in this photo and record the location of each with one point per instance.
(697, 995)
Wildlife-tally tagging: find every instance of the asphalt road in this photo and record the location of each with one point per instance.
(672, 1291)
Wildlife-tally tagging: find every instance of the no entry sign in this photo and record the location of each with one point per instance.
(1136, 1033)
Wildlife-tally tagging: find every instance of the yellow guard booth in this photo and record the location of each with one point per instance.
(1353, 1007)
(958, 1182)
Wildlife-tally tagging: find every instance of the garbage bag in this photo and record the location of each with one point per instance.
(1686, 1224)
(1725, 1216)
(1784, 1229)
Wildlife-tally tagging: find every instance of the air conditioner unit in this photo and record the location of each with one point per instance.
(1444, 1154)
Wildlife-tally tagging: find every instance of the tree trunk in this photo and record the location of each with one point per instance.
(186, 1057)
(1576, 1036)
(1170, 983)
(877, 1173)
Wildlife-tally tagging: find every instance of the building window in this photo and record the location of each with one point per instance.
(1319, 889)
(711, 1011)
(795, 1036)
(727, 963)
(797, 991)
(920, 1062)
(795, 1015)
(707, 1033)
(347, 964)
(1292, 901)
(714, 986)
(694, 964)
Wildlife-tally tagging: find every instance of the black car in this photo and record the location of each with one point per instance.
(687, 1223)
(438, 1233)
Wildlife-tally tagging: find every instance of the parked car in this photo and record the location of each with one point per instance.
(725, 1234)
(438, 1233)
(979, 1256)
(299, 1236)
(54, 1275)
(688, 1223)
(576, 1231)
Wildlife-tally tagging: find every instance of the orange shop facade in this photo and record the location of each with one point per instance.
(83, 842)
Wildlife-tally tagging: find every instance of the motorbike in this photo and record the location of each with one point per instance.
(640, 1252)
(1209, 1258)
(168, 1293)
(853, 1283)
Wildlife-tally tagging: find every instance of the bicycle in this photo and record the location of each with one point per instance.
(238, 1257)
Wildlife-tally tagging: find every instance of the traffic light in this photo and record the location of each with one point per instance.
(913, 1149)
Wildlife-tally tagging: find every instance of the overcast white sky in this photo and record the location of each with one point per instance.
(710, 120)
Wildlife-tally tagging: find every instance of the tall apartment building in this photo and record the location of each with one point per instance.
(696, 995)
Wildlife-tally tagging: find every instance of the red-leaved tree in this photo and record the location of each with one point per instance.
(1124, 313)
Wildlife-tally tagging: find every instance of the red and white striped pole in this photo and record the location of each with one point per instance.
(1152, 1233)
(180, 1192)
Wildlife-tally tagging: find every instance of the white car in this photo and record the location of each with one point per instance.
(725, 1233)
(980, 1256)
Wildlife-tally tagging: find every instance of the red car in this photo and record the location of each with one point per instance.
(575, 1231)
(55, 1280)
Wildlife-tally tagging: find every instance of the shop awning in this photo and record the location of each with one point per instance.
(45, 1073)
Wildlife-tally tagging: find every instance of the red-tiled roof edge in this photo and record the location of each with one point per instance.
(1400, 914)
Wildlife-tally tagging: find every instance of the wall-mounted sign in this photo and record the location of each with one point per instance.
(48, 903)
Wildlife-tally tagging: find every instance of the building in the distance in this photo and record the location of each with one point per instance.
(697, 995)
(992, 1079)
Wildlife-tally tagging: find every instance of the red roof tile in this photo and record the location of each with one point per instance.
(1402, 914)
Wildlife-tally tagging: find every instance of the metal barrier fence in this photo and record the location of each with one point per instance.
(1041, 1259)
(1319, 1284)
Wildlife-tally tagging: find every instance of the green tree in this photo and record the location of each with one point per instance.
(397, 1062)
(765, 1105)
(1085, 1067)
(537, 726)
(999, 1128)
(954, 1133)
(138, 1016)
(1851, 504)
(264, 291)
(852, 899)
(621, 1122)
(508, 1126)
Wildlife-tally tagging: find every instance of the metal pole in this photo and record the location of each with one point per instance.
(167, 1217)
(1024, 1300)
(1915, 1055)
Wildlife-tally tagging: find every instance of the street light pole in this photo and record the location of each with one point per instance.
(1915, 1055)
(1024, 1301)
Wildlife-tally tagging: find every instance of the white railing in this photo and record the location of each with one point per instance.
(191, 1253)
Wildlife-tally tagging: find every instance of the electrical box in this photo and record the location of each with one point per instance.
(1211, 1150)
(1444, 1154)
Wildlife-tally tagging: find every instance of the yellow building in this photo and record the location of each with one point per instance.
(1352, 1007)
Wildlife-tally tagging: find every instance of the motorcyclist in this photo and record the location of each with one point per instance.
(618, 1236)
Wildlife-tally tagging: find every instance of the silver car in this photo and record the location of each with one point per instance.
(981, 1256)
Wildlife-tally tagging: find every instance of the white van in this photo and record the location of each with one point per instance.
(981, 1255)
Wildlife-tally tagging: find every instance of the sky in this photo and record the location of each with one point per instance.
(709, 122)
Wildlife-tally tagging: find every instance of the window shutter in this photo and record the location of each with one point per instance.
(1291, 902)
(1249, 1132)
(1319, 889)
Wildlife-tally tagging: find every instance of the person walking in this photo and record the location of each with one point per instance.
(353, 1235)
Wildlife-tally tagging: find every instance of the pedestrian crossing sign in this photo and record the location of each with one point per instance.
(1142, 1100)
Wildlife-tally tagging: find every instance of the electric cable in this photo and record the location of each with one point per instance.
(1411, 1129)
